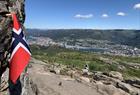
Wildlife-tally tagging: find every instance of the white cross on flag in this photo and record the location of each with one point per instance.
(20, 52)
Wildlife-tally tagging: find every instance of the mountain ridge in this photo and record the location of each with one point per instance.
(117, 36)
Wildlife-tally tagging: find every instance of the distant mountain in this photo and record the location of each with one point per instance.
(118, 36)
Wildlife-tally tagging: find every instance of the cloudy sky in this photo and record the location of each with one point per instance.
(93, 14)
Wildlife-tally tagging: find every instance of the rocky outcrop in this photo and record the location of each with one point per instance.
(134, 82)
(132, 65)
(115, 79)
(116, 75)
(108, 83)
(56, 79)
(28, 86)
(128, 88)
(109, 89)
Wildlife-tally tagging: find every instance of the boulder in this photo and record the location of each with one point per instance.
(128, 88)
(109, 89)
(55, 70)
(116, 75)
(115, 79)
(85, 79)
(121, 67)
(134, 82)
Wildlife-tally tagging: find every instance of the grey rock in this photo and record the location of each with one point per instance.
(134, 82)
(128, 88)
(116, 75)
(109, 89)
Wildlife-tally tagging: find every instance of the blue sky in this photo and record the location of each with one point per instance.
(89, 14)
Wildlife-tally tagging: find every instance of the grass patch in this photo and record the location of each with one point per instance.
(55, 54)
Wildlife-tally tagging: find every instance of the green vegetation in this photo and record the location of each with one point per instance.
(55, 54)
(124, 59)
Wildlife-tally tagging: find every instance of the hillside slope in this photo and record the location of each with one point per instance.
(125, 37)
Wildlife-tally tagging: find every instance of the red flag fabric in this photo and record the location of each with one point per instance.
(20, 52)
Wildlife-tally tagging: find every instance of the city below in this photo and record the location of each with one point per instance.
(88, 45)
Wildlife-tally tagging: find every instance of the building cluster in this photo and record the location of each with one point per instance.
(98, 46)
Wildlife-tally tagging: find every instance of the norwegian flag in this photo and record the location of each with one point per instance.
(20, 52)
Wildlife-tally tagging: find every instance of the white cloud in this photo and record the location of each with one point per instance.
(137, 6)
(83, 16)
(105, 16)
(121, 14)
